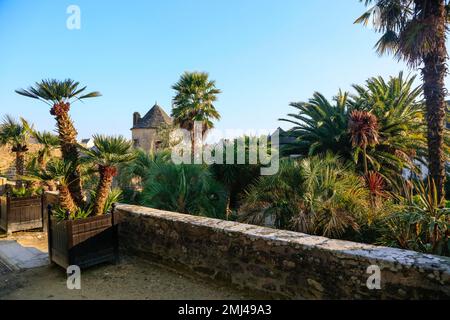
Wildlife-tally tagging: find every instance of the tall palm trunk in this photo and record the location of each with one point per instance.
(68, 137)
(433, 73)
(65, 198)
(106, 178)
(20, 167)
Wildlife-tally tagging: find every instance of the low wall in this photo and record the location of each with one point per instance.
(280, 263)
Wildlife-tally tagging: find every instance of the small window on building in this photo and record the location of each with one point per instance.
(136, 143)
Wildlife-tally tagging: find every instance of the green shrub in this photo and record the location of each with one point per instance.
(184, 188)
(317, 195)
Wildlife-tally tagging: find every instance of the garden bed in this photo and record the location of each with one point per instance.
(20, 214)
(84, 242)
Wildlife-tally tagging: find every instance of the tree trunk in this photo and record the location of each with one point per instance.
(20, 167)
(68, 138)
(433, 74)
(104, 187)
(65, 199)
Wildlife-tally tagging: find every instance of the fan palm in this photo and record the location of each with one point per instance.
(16, 135)
(108, 152)
(59, 95)
(194, 101)
(188, 189)
(316, 195)
(141, 166)
(415, 31)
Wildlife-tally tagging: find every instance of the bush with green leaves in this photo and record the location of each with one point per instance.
(421, 224)
(318, 195)
(184, 188)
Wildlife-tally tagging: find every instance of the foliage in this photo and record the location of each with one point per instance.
(63, 214)
(194, 101)
(59, 95)
(25, 191)
(48, 143)
(184, 188)
(237, 177)
(107, 154)
(317, 195)
(52, 91)
(140, 167)
(416, 31)
(109, 151)
(322, 127)
(422, 224)
(114, 196)
(14, 133)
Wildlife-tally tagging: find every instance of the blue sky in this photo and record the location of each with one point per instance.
(263, 55)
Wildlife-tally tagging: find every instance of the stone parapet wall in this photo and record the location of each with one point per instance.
(280, 263)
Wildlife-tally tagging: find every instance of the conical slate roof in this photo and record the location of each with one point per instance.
(153, 119)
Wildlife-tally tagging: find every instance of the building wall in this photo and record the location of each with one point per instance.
(145, 138)
(279, 263)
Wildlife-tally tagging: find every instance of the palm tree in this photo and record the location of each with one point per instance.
(194, 101)
(107, 154)
(57, 171)
(321, 126)
(399, 110)
(15, 134)
(185, 188)
(141, 166)
(415, 31)
(49, 142)
(59, 95)
(316, 195)
(363, 129)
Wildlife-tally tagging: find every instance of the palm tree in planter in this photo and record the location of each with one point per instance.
(16, 135)
(59, 95)
(58, 171)
(194, 101)
(107, 154)
(415, 31)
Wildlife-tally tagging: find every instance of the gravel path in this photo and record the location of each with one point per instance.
(133, 278)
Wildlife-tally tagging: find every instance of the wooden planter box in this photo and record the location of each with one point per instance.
(20, 214)
(85, 242)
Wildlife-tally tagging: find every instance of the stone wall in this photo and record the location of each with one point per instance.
(279, 263)
(145, 137)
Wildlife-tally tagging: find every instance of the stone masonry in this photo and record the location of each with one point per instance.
(281, 264)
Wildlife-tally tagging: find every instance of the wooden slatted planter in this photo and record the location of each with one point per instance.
(85, 242)
(20, 214)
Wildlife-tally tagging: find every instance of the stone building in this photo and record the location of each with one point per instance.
(144, 130)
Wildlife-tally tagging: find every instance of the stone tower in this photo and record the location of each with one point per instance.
(144, 130)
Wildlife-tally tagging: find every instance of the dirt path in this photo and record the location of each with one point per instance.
(133, 278)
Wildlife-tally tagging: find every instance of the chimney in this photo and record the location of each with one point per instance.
(136, 118)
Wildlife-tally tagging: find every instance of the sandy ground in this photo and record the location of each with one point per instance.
(132, 278)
